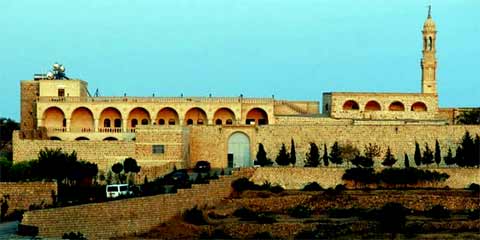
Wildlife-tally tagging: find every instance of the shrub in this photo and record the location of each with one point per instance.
(474, 187)
(313, 186)
(194, 216)
(438, 211)
(340, 188)
(300, 212)
(243, 184)
(266, 218)
(74, 236)
(262, 235)
(392, 217)
(245, 214)
(360, 175)
(276, 189)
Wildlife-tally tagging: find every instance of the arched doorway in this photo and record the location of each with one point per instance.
(239, 150)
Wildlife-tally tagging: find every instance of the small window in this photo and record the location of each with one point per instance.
(118, 123)
(158, 149)
(106, 123)
(229, 122)
(144, 121)
(171, 122)
(161, 122)
(112, 189)
(218, 122)
(200, 121)
(61, 92)
(123, 188)
(134, 123)
(189, 122)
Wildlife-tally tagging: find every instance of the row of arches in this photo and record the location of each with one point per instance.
(111, 119)
(55, 138)
(375, 106)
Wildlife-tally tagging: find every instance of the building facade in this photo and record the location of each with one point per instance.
(57, 112)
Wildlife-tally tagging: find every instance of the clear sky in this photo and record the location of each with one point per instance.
(294, 49)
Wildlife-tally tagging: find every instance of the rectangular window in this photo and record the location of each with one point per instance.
(61, 92)
(158, 149)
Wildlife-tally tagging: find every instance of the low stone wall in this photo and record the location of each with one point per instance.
(22, 195)
(298, 177)
(129, 216)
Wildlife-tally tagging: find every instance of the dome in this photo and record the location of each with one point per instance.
(429, 24)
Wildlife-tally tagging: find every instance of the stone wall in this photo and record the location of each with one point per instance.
(104, 153)
(129, 216)
(23, 195)
(298, 177)
(29, 91)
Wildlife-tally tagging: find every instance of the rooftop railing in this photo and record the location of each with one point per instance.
(157, 99)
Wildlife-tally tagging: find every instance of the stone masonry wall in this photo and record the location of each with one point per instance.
(124, 217)
(104, 153)
(298, 177)
(23, 195)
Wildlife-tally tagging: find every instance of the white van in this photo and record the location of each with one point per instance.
(117, 190)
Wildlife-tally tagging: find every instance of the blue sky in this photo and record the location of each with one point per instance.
(294, 49)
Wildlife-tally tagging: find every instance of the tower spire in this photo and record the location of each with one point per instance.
(429, 11)
(429, 60)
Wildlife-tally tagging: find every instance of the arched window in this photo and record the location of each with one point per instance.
(118, 123)
(189, 122)
(197, 115)
(144, 121)
(55, 139)
(257, 116)
(229, 122)
(161, 122)
(171, 122)
(64, 123)
(222, 114)
(81, 139)
(200, 121)
(168, 113)
(396, 106)
(430, 43)
(419, 107)
(106, 123)
(218, 122)
(134, 122)
(350, 105)
(110, 139)
(373, 106)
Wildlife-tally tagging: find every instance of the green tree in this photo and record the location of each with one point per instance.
(348, 152)
(459, 159)
(312, 156)
(469, 117)
(5, 166)
(418, 155)
(7, 126)
(477, 151)
(117, 168)
(392, 218)
(362, 161)
(427, 155)
(283, 158)
(389, 159)
(372, 151)
(325, 155)
(407, 161)
(449, 159)
(262, 159)
(438, 153)
(293, 154)
(467, 157)
(131, 167)
(336, 154)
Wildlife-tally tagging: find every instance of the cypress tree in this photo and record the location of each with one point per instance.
(459, 159)
(438, 153)
(282, 158)
(313, 156)
(427, 155)
(418, 155)
(325, 155)
(336, 154)
(293, 155)
(477, 151)
(407, 161)
(262, 159)
(389, 159)
(449, 159)
(468, 150)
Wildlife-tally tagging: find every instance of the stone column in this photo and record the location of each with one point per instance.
(124, 125)
(95, 124)
(67, 127)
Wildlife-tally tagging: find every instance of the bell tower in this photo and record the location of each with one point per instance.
(429, 61)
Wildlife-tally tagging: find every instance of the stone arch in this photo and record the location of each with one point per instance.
(82, 139)
(54, 117)
(222, 115)
(239, 150)
(396, 106)
(55, 138)
(257, 116)
(373, 106)
(419, 107)
(351, 105)
(110, 117)
(82, 120)
(195, 115)
(139, 114)
(168, 116)
(110, 139)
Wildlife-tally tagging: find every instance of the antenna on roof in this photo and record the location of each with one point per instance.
(429, 11)
(97, 93)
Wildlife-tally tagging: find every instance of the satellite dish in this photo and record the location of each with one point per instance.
(50, 75)
(56, 66)
(62, 68)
